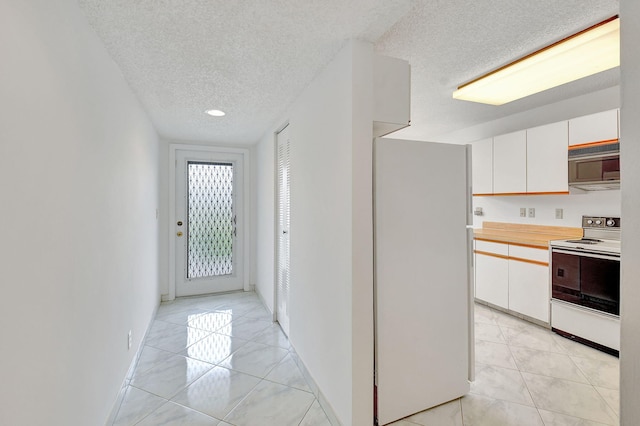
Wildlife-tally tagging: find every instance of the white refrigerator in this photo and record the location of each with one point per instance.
(423, 276)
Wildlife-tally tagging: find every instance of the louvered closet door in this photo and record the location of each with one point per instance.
(283, 229)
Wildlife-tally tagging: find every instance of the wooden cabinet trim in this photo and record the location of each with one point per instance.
(490, 240)
(533, 246)
(486, 253)
(498, 194)
(518, 259)
(590, 144)
(535, 262)
(545, 248)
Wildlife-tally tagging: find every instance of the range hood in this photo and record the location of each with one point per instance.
(596, 186)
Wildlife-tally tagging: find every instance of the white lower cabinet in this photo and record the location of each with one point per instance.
(529, 289)
(513, 277)
(492, 273)
(492, 280)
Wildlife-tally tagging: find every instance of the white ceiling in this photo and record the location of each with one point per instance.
(252, 58)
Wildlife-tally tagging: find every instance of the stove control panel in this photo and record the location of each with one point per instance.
(600, 222)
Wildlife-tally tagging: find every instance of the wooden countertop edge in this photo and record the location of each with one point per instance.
(534, 236)
(524, 242)
(504, 228)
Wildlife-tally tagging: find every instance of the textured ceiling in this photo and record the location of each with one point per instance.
(449, 43)
(252, 58)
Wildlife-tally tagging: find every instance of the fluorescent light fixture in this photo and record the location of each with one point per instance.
(583, 54)
(215, 112)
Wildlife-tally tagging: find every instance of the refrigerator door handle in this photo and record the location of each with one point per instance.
(471, 304)
(469, 155)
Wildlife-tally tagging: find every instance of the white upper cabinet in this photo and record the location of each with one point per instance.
(482, 166)
(597, 127)
(536, 160)
(547, 162)
(510, 163)
(392, 94)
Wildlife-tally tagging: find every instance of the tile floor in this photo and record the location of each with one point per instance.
(528, 376)
(219, 360)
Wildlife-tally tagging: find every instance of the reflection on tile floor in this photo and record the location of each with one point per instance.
(219, 360)
(527, 375)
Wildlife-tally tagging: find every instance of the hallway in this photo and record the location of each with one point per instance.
(216, 358)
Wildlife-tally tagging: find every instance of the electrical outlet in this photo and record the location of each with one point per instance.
(523, 212)
(532, 212)
(130, 340)
(558, 213)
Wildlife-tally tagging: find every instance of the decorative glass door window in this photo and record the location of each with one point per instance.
(211, 219)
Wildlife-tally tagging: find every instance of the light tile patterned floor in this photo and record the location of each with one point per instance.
(528, 376)
(219, 360)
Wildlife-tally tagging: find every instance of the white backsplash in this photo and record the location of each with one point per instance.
(507, 208)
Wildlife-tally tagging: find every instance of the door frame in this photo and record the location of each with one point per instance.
(246, 216)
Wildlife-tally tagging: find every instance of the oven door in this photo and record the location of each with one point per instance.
(565, 279)
(600, 283)
(587, 279)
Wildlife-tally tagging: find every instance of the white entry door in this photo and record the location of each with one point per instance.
(283, 229)
(208, 228)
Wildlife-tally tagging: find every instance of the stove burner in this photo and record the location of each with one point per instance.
(585, 241)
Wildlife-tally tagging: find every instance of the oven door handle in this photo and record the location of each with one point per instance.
(586, 254)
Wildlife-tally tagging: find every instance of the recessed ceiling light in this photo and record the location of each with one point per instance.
(215, 112)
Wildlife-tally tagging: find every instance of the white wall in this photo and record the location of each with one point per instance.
(574, 206)
(79, 186)
(265, 220)
(362, 332)
(630, 158)
(331, 300)
(320, 298)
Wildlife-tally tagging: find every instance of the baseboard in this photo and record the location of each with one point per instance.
(117, 403)
(264, 303)
(515, 314)
(132, 368)
(324, 403)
